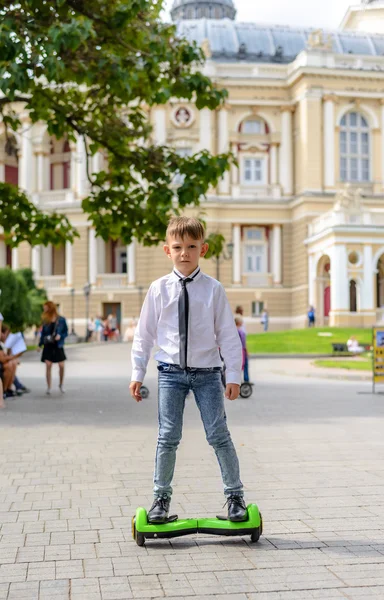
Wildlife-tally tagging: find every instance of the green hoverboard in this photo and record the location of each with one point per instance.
(174, 527)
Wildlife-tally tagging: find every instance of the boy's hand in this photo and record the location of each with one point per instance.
(134, 388)
(232, 391)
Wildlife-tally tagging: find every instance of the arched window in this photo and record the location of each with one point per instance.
(354, 148)
(352, 296)
(253, 126)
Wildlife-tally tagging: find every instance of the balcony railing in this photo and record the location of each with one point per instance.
(49, 198)
(52, 282)
(112, 281)
(258, 280)
(333, 219)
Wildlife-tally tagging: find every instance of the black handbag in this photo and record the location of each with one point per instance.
(50, 339)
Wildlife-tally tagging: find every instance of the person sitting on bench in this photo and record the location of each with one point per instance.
(354, 346)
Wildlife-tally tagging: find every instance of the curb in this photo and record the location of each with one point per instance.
(334, 376)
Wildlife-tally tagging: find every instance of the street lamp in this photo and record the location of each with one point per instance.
(72, 292)
(87, 293)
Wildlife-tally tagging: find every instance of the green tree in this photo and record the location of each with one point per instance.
(36, 298)
(21, 303)
(96, 70)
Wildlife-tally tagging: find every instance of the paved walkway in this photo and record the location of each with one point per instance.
(305, 367)
(73, 470)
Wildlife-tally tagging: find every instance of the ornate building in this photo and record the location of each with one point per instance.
(302, 213)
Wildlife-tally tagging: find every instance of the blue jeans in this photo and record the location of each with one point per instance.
(174, 385)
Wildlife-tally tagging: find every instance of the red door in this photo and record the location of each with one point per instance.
(327, 300)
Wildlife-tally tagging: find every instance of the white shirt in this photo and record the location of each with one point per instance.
(211, 326)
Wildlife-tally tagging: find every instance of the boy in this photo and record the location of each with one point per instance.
(188, 315)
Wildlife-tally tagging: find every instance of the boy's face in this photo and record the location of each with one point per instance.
(185, 253)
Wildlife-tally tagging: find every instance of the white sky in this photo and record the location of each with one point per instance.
(312, 13)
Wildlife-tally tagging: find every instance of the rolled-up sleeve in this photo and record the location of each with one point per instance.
(145, 335)
(227, 337)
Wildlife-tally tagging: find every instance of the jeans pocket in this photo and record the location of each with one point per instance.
(164, 367)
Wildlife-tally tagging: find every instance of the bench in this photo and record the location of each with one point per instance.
(341, 348)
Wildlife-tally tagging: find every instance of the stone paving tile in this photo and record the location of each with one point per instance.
(115, 588)
(71, 478)
(24, 591)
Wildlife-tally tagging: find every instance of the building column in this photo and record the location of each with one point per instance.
(276, 255)
(100, 256)
(46, 260)
(206, 130)
(15, 259)
(312, 300)
(339, 279)
(223, 146)
(92, 256)
(273, 161)
(382, 142)
(2, 169)
(3, 254)
(81, 170)
(234, 168)
(35, 261)
(159, 128)
(131, 263)
(367, 292)
(286, 151)
(236, 238)
(329, 141)
(26, 162)
(42, 167)
(69, 263)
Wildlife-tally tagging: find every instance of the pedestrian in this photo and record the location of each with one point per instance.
(239, 313)
(52, 338)
(90, 329)
(188, 315)
(99, 328)
(15, 346)
(265, 320)
(8, 366)
(243, 339)
(311, 317)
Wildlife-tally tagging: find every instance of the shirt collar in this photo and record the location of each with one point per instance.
(177, 275)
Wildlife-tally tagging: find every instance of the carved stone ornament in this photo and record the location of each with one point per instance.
(349, 200)
(318, 41)
(206, 48)
(182, 117)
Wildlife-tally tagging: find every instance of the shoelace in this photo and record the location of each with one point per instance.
(162, 502)
(235, 500)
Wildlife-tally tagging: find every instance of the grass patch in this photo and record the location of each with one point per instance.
(350, 365)
(304, 341)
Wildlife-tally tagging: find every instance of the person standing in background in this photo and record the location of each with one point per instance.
(52, 339)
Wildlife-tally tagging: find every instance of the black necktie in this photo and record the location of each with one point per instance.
(183, 319)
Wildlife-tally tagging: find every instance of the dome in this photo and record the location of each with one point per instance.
(198, 9)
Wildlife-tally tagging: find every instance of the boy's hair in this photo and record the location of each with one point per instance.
(185, 226)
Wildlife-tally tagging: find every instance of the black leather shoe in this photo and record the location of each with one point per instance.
(237, 509)
(158, 513)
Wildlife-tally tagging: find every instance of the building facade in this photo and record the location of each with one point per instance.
(302, 213)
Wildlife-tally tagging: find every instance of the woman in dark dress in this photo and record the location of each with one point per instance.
(52, 339)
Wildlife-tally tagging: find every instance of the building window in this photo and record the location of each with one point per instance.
(257, 308)
(354, 148)
(352, 296)
(254, 171)
(184, 153)
(253, 126)
(255, 250)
